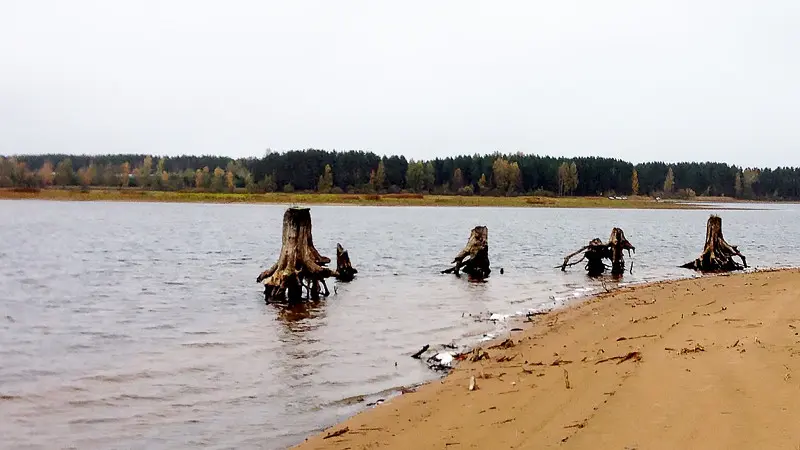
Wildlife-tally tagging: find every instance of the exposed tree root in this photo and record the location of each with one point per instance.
(345, 270)
(717, 254)
(474, 258)
(300, 266)
(597, 251)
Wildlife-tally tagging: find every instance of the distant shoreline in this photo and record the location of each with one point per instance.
(138, 195)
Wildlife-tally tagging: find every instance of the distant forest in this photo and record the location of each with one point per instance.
(365, 172)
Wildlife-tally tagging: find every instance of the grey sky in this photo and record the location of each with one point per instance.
(634, 79)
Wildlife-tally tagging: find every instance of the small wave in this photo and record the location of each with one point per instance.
(103, 335)
(186, 389)
(88, 421)
(194, 369)
(31, 373)
(9, 397)
(74, 389)
(76, 347)
(211, 344)
(89, 403)
(138, 397)
(348, 401)
(356, 399)
(163, 326)
(245, 399)
(121, 378)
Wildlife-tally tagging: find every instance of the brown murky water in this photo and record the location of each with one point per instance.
(140, 325)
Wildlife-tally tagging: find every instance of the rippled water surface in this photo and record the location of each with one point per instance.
(138, 326)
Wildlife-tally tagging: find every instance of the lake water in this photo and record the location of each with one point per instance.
(140, 325)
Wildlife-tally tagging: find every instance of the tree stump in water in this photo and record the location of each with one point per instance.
(717, 254)
(594, 254)
(477, 249)
(345, 270)
(616, 244)
(299, 266)
(597, 251)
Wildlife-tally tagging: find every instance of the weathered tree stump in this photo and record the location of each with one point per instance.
(594, 254)
(616, 244)
(597, 251)
(345, 270)
(474, 258)
(717, 254)
(299, 266)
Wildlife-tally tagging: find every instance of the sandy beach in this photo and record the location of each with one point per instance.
(706, 363)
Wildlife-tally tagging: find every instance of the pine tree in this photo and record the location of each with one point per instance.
(635, 182)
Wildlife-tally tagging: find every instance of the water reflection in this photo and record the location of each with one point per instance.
(298, 317)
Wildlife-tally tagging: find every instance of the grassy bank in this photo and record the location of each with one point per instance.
(134, 195)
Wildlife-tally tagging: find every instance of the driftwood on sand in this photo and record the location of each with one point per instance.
(717, 254)
(597, 251)
(474, 258)
(345, 271)
(300, 266)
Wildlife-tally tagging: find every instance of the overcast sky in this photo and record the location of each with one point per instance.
(639, 80)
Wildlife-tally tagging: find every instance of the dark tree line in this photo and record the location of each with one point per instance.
(366, 172)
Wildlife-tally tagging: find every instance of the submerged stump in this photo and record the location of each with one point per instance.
(474, 258)
(717, 254)
(345, 271)
(597, 251)
(300, 266)
(617, 243)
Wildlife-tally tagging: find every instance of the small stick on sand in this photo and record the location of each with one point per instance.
(336, 433)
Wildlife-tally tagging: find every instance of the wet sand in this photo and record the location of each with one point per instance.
(708, 363)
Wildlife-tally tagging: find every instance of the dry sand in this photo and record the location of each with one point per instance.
(718, 367)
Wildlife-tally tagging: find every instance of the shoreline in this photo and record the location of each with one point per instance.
(666, 364)
(522, 201)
